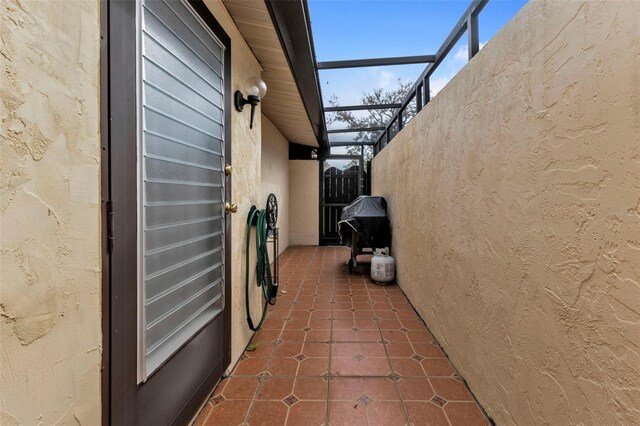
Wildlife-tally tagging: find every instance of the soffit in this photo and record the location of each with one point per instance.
(282, 105)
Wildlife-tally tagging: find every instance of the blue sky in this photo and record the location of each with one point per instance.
(353, 29)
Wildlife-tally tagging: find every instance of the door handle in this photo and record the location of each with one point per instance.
(230, 208)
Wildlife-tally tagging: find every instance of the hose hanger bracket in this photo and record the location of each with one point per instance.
(272, 212)
(265, 227)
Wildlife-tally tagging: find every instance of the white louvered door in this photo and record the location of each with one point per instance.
(181, 179)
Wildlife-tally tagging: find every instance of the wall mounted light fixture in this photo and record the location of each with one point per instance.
(256, 89)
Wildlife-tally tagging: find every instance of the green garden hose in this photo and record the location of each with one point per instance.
(263, 268)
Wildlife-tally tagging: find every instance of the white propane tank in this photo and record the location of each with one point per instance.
(383, 266)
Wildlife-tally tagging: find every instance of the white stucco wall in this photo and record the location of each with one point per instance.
(515, 203)
(275, 177)
(246, 154)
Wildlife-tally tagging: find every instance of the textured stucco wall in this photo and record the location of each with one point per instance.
(50, 246)
(275, 177)
(50, 219)
(303, 203)
(246, 159)
(515, 204)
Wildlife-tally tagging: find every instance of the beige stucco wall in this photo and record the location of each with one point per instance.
(515, 204)
(50, 242)
(303, 203)
(275, 178)
(246, 151)
(50, 282)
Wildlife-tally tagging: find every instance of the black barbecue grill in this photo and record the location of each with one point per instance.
(364, 226)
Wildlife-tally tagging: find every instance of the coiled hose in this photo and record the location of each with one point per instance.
(263, 267)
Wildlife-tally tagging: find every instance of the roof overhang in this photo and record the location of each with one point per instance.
(279, 35)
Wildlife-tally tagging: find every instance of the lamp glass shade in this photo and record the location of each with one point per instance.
(256, 87)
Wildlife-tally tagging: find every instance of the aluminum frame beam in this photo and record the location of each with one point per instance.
(361, 107)
(375, 62)
(360, 143)
(356, 130)
(468, 19)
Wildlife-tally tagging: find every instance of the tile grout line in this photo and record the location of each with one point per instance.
(395, 377)
(253, 400)
(326, 282)
(373, 314)
(208, 403)
(329, 374)
(316, 285)
(433, 338)
(259, 387)
(249, 411)
(288, 376)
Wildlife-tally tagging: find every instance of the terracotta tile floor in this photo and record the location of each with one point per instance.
(337, 349)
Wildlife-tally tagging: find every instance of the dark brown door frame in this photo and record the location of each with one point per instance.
(118, 209)
(104, 208)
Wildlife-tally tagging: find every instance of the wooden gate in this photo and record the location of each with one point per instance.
(339, 187)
